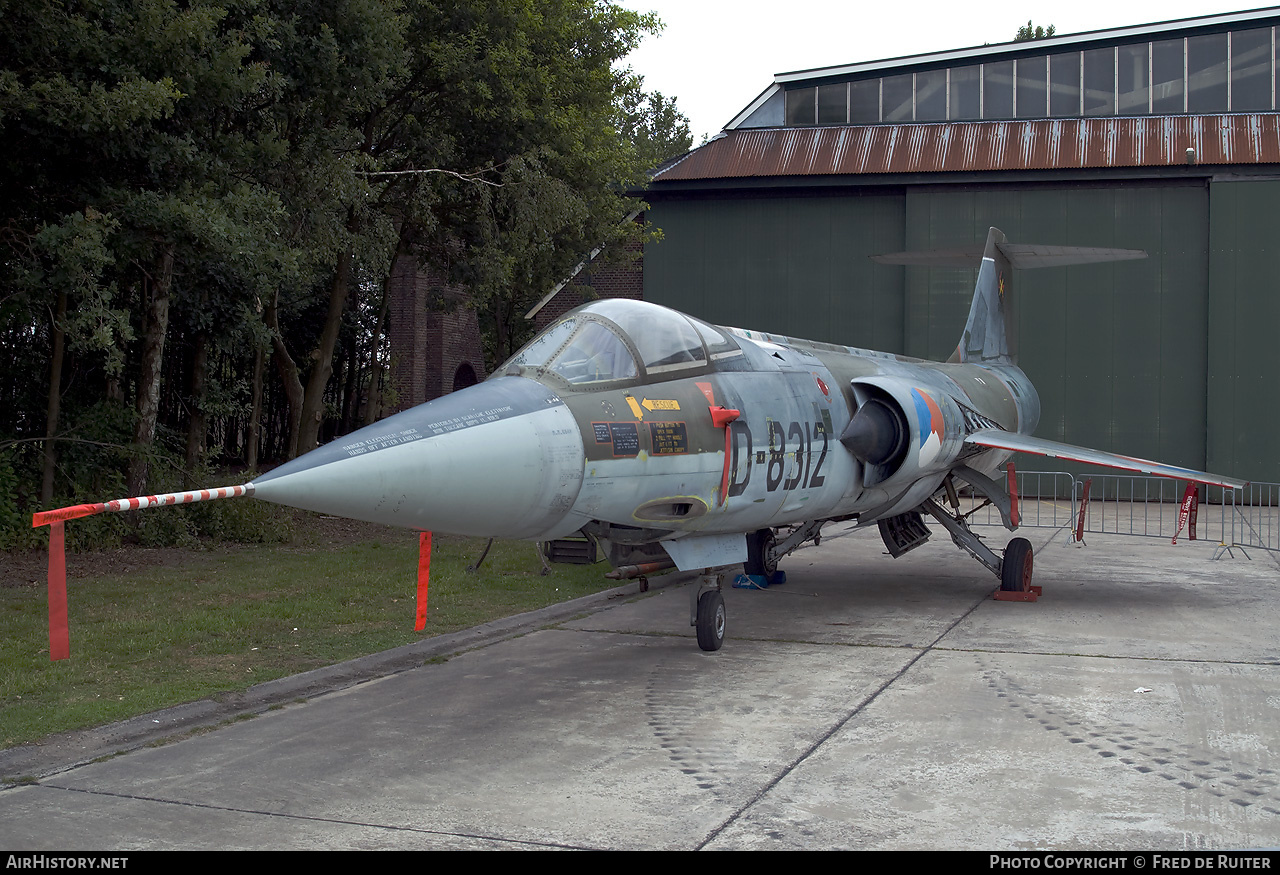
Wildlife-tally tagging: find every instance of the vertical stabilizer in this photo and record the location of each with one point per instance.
(989, 334)
(986, 337)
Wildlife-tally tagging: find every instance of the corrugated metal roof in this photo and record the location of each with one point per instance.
(1043, 144)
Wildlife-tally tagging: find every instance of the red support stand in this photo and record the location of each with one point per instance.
(424, 578)
(59, 634)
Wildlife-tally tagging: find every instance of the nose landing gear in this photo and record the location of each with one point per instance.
(707, 611)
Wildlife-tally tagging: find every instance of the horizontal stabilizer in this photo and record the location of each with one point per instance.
(1024, 256)
(1021, 443)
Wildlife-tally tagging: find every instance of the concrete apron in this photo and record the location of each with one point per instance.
(867, 703)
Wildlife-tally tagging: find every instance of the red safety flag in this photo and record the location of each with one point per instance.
(1084, 507)
(1189, 509)
(62, 514)
(424, 577)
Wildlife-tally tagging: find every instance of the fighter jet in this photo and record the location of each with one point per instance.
(671, 441)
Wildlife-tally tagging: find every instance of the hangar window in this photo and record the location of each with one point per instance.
(897, 98)
(1232, 71)
(1100, 81)
(833, 104)
(802, 106)
(1032, 87)
(864, 102)
(997, 90)
(1207, 73)
(931, 96)
(965, 101)
(1132, 69)
(1064, 84)
(1167, 71)
(1250, 70)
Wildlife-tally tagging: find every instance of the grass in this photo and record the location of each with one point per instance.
(163, 636)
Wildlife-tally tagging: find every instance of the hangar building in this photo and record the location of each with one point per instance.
(1163, 137)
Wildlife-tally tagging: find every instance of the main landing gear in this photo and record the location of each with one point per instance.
(1013, 569)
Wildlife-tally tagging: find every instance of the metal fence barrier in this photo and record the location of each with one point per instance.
(1255, 518)
(1142, 506)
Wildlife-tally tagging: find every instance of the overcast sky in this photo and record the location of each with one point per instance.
(715, 57)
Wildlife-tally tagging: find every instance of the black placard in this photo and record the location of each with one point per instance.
(626, 438)
(668, 438)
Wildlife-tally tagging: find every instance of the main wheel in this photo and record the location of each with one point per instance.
(759, 543)
(711, 617)
(1015, 570)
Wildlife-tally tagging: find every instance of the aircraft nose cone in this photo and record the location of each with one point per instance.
(501, 458)
(875, 434)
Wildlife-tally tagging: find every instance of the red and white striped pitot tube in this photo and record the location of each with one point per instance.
(142, 502)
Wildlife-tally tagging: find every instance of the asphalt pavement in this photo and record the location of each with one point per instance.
(868, 703)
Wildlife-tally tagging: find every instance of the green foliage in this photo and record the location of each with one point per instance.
(75, 257)
(239, 159)
(14, 524)
(654, 126)
(1027, 32)
(243, 522)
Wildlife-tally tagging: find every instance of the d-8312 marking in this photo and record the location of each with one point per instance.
(807, 473)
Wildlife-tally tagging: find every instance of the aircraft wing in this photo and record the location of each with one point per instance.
(1021, 443)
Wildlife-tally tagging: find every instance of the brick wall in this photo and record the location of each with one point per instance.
(435, 345)
(432, 336)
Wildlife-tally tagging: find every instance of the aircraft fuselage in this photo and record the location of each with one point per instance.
(596, 430)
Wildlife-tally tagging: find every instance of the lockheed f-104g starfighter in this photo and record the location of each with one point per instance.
(665, 438)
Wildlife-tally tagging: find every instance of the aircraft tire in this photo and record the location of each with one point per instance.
(711, 621)
(1015, 570)
(758, 545)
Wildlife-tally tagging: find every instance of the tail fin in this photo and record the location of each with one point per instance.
(987, 337)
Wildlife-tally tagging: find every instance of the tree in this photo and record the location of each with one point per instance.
(1027, 32)
(654, 126)
(188, 188)
(532, 94)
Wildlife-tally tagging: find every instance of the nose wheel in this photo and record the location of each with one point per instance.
(708, 615)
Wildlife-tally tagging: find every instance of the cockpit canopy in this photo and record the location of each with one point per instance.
(619, 340)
